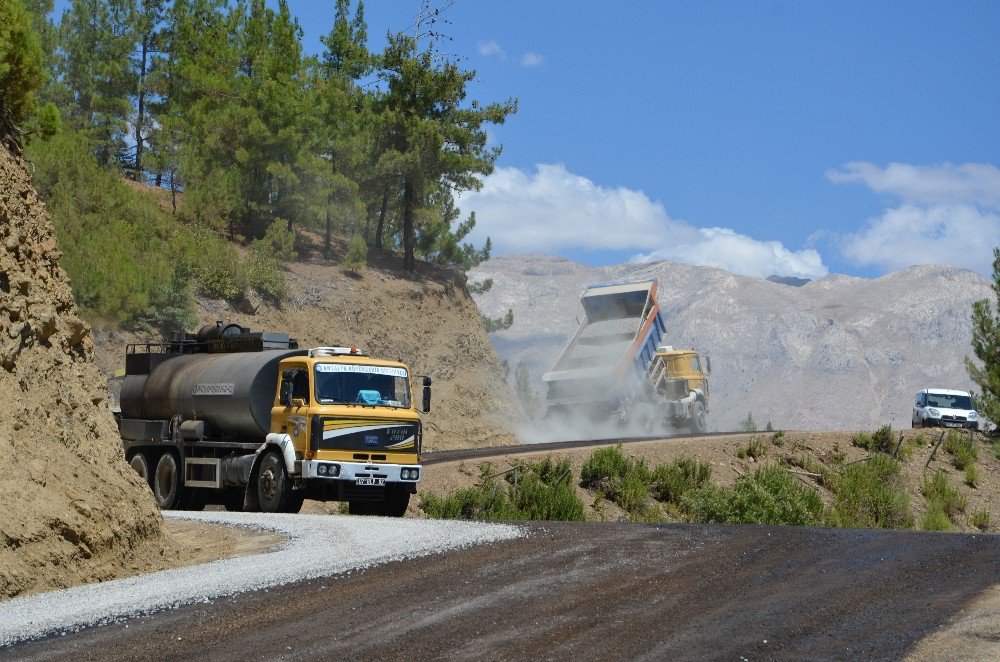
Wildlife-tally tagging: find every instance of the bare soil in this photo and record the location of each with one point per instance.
(593, 591)
(721, 453)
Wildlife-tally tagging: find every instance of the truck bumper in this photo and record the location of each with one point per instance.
(352, 471)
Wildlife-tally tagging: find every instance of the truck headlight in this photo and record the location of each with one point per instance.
(333, 470)
(973, 416)
(934, 412)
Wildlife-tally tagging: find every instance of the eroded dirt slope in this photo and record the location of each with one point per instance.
(72, 508)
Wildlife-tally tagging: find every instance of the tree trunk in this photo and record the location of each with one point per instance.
(326, 239)
(381, 219)
(408, 202)
(141, 109)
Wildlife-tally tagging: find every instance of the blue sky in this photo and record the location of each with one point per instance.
(764, 137)
(654, 121)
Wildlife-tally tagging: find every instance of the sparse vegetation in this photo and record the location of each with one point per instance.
(880, 441)
(530, 491)
(963, 453)
(942, 498)
(980, 519)
(672, 480)
(481, 287)
(499, 324)
(972, 476)
(356, 256)
(767, 496)
(625, 481)
(755, 449)
(778, 438)
(748, 424)
(871, 494)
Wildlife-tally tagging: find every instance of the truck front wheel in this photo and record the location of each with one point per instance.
(395, 502)
(274, 487)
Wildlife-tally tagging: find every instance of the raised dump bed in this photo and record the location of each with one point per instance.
(605, 362)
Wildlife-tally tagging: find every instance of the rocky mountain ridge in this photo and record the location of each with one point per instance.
(836, 353)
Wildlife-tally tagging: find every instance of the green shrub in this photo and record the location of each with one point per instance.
(871, 494)
(672, 480)
(626, 482)
(972, 476)
(357, 254)
(980, 519)
(278, 243)
(540, 491)
(778, 438)
(880, 441)
(748, 424)
(935, 519)
(963, 454)
(942, 496)
(767, 496)
(755, 449)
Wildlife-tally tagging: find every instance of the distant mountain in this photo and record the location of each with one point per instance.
(789, 280)
(834, 353)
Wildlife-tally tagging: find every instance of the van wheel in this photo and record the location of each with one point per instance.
(274, 487)
(140, 464)
(167, 488)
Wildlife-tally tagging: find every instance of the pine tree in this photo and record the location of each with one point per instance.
(148, 29)
(21, 63)
(440, 141)
(986, 346)
(96, 69)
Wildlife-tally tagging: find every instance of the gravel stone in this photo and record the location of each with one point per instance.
(318, 546)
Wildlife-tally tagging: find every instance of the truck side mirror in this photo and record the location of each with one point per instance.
(427, 395)
(285, 395)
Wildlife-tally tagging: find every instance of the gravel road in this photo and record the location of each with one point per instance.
(592, 591)
(318, 546)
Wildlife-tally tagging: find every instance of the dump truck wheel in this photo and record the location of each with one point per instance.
(140, 463)
(274, 487)
(167, 486)
(394, 504)
(699, 421)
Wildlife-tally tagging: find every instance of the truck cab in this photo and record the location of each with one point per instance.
(680, 379)
(356, 434)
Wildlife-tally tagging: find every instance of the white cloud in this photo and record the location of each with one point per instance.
(491, 48)
(531, 60)
(946, 214)
(551, 209)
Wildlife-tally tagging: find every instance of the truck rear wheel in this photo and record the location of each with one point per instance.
(140, 464)
(167, 487)
(699, 421)
(274, 487)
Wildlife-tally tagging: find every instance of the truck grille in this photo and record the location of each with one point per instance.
(953, 418)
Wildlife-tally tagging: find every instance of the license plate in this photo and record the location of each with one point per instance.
(949, 424)
(372, 482)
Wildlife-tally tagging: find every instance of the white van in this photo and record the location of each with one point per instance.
(941, 407)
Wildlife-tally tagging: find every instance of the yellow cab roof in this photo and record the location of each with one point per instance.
(352, 359)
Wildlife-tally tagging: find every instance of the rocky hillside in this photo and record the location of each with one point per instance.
(72, 508)
(428, 321)
(835, 353)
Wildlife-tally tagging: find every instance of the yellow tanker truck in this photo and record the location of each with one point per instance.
(253, 422)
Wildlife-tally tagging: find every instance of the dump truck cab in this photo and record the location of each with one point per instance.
(680, 380)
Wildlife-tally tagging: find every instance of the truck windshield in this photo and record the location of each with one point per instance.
(370, 385)
(947, 401)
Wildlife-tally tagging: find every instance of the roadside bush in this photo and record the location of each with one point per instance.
(871, 495)
(942, 496)
(278, 243)
(672, 480)
(962, 453)
(223, 274)
(935, 519)
(357, 254)
(625, 481)
(980, 519)
(778, 438)
(880, 441)
(972, 476)
(755, 449)
(767, 496)
(539, 491)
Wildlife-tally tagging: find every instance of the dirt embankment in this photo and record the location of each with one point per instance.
(73, 510)
(428, 321)
(829, 450)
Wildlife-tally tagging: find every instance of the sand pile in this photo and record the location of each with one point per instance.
(72, 509)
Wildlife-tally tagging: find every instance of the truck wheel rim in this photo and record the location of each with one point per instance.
(268, 484)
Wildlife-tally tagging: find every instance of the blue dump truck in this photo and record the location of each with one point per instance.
(615, 365)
